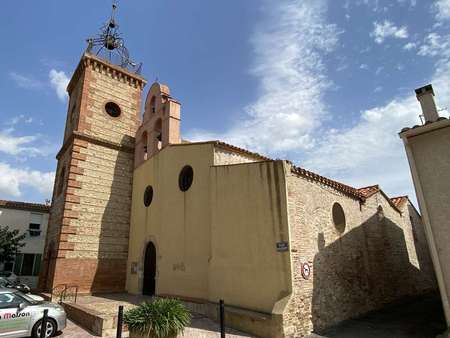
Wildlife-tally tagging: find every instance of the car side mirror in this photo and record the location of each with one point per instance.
(21, 306)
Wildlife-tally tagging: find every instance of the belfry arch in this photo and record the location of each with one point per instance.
(161, 123)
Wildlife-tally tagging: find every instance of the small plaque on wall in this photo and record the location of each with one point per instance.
(134, 268)
(282, 246)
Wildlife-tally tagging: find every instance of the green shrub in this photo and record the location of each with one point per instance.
(161, 318)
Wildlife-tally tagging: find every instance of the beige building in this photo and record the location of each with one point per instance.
(137, 209)
(427, 147)
(30, 219)
(289, 251)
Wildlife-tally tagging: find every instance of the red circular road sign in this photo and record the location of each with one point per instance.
(306, 270)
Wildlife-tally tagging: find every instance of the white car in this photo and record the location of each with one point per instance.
(21, 315)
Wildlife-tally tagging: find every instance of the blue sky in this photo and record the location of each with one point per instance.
(326, 84)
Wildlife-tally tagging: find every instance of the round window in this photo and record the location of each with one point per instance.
(148, 195)
(112, 109)
(338, 217)
(186, 178)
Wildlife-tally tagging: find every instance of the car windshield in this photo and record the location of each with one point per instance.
(27, 298)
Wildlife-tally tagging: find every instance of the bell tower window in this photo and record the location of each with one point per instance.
(153, 104)
(158, 133)
(145, 144)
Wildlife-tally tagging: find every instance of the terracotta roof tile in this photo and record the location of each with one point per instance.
(240, 150)
(24, 206)
(362, 193)
(372, 190)
(399, 201)
(346, 189)
(369, 191)
(226, 146)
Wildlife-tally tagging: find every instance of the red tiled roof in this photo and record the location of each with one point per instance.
(372, 190)
(399, 201)
(226, 146)
(24, 206)
(369, 191)
(240, 150)
(331, 183)
(361, 193)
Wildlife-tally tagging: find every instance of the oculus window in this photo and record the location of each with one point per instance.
(186, 178)
(112, 109)
(148, 195)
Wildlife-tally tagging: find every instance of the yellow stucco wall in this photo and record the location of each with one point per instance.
(176, 222)
(428, 153)
(218, 239)
(249, 217)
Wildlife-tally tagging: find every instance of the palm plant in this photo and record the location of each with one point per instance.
(161, 318)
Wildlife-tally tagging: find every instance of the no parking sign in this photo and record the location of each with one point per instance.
(306, 270)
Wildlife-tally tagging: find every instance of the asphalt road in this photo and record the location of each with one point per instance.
(421, 318)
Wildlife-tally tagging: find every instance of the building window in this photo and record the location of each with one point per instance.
(145, 144)
(112, 109)
(148, 195)
(380, 213)
(153, 104)
(158, 133)
(34, 227)
(186, 178)
(27, 264)
(62, 176)
(8, 266)
(338, 217)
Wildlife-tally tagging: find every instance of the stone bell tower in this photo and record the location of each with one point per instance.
(87, 239)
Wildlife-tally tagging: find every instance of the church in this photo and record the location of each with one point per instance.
(138, 209)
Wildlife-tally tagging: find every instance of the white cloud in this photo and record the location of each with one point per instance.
(286, 117)
(20, 145)
(379, 70)
(18, 119)
(364, 66)
(59, 81)
(386, 29)
(25, 82)
(378, 89)
(13, 180)
(289, 46)
(371, 152)
(435, 45)
(410, 45)
(442, 8)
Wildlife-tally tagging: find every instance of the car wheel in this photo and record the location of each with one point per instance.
(50, 329)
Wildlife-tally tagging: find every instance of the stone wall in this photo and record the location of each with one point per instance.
(370, 264)
(224, 156)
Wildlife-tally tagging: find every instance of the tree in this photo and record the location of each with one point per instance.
(10, 242)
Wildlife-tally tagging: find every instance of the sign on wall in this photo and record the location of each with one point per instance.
(306, 270)
(282, 246)
(134, 268)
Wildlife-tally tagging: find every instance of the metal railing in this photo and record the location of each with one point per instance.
(64, 292)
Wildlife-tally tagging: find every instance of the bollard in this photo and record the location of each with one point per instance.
(222, 318)
(119, 322)
(44, 324)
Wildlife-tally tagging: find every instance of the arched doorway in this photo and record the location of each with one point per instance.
(149, 270)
